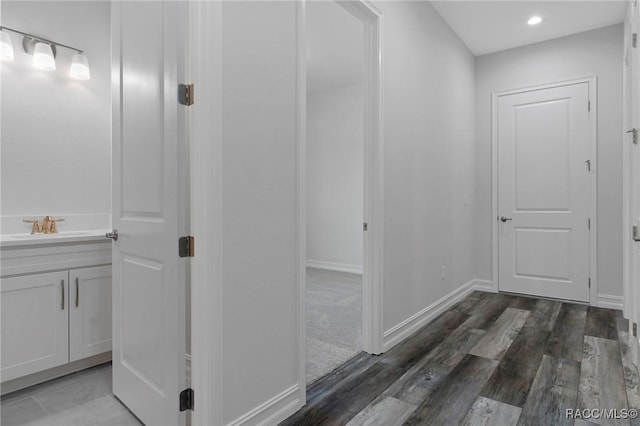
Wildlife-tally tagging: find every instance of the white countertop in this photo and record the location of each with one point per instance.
(16, 240)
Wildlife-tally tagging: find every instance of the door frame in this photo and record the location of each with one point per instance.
(593, 124)
(372, 278)
(627, 220)
(205, 71)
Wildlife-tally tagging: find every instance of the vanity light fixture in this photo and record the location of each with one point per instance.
(534, 20)
(6, 47)
(43, 58)
(80, 67)
(44, 53)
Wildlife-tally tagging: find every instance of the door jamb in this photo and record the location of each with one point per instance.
(593, 124)
(627, 99)
(372, 333)
(205, 72)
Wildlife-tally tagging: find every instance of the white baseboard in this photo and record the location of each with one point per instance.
(484, 285)
(273, 411)
(332, 266)
(406, 328)
(609, 301)
(603, 300)
(53, 373)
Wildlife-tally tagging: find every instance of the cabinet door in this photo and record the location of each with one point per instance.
(89, 312)
(34, 323)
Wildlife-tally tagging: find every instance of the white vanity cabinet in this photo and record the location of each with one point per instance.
(34, 325)
(55, 316)
(89, 312)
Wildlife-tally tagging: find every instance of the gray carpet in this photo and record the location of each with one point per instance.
(333, 320)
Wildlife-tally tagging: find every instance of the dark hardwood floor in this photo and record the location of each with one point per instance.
(492, 359)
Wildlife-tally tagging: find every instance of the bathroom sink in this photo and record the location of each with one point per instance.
(11, 240)
(58, 235)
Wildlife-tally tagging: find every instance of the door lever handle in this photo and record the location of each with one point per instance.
(636, 234)
(504, 219)
(635, 135)
(112, 235)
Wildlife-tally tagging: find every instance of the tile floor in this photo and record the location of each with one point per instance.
(80, 399)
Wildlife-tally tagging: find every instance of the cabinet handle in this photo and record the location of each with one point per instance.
(77, 292)
(62, 288)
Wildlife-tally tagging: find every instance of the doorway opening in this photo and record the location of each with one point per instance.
(334, 187)
(340, 182)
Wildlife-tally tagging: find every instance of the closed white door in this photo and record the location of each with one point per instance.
(148, 276)
(89, 312)
(34, 323)
(544, 192)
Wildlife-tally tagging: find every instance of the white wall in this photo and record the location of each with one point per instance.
(333, 42)
(429, 179)
(335, 174)
(259, 337)
(594, 53)
(429, 113)
(56, 131)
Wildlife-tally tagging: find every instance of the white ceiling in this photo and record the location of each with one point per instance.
(334, 46)
(491, 26)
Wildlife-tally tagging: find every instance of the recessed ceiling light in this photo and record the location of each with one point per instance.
(534, 20)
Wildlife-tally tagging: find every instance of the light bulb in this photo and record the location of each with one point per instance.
(43, 57)
(6, 47)
(534, 20)
(80, 67)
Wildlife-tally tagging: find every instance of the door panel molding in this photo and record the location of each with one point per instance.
(592, 95)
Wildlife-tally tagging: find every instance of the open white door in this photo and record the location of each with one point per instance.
(632, 172)
(148, 276)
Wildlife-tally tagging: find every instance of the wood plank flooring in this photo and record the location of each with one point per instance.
(492, 359)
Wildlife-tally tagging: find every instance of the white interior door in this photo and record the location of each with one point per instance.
(148, 276)
(632, 121)
(544, 192)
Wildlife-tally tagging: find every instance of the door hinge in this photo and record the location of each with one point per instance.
(589, 282)
(186, 246)
(634, 40)
(365, 226)
(588, 105)
(635, 329)
(588, 223)
(186, 400)
(185, 94)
